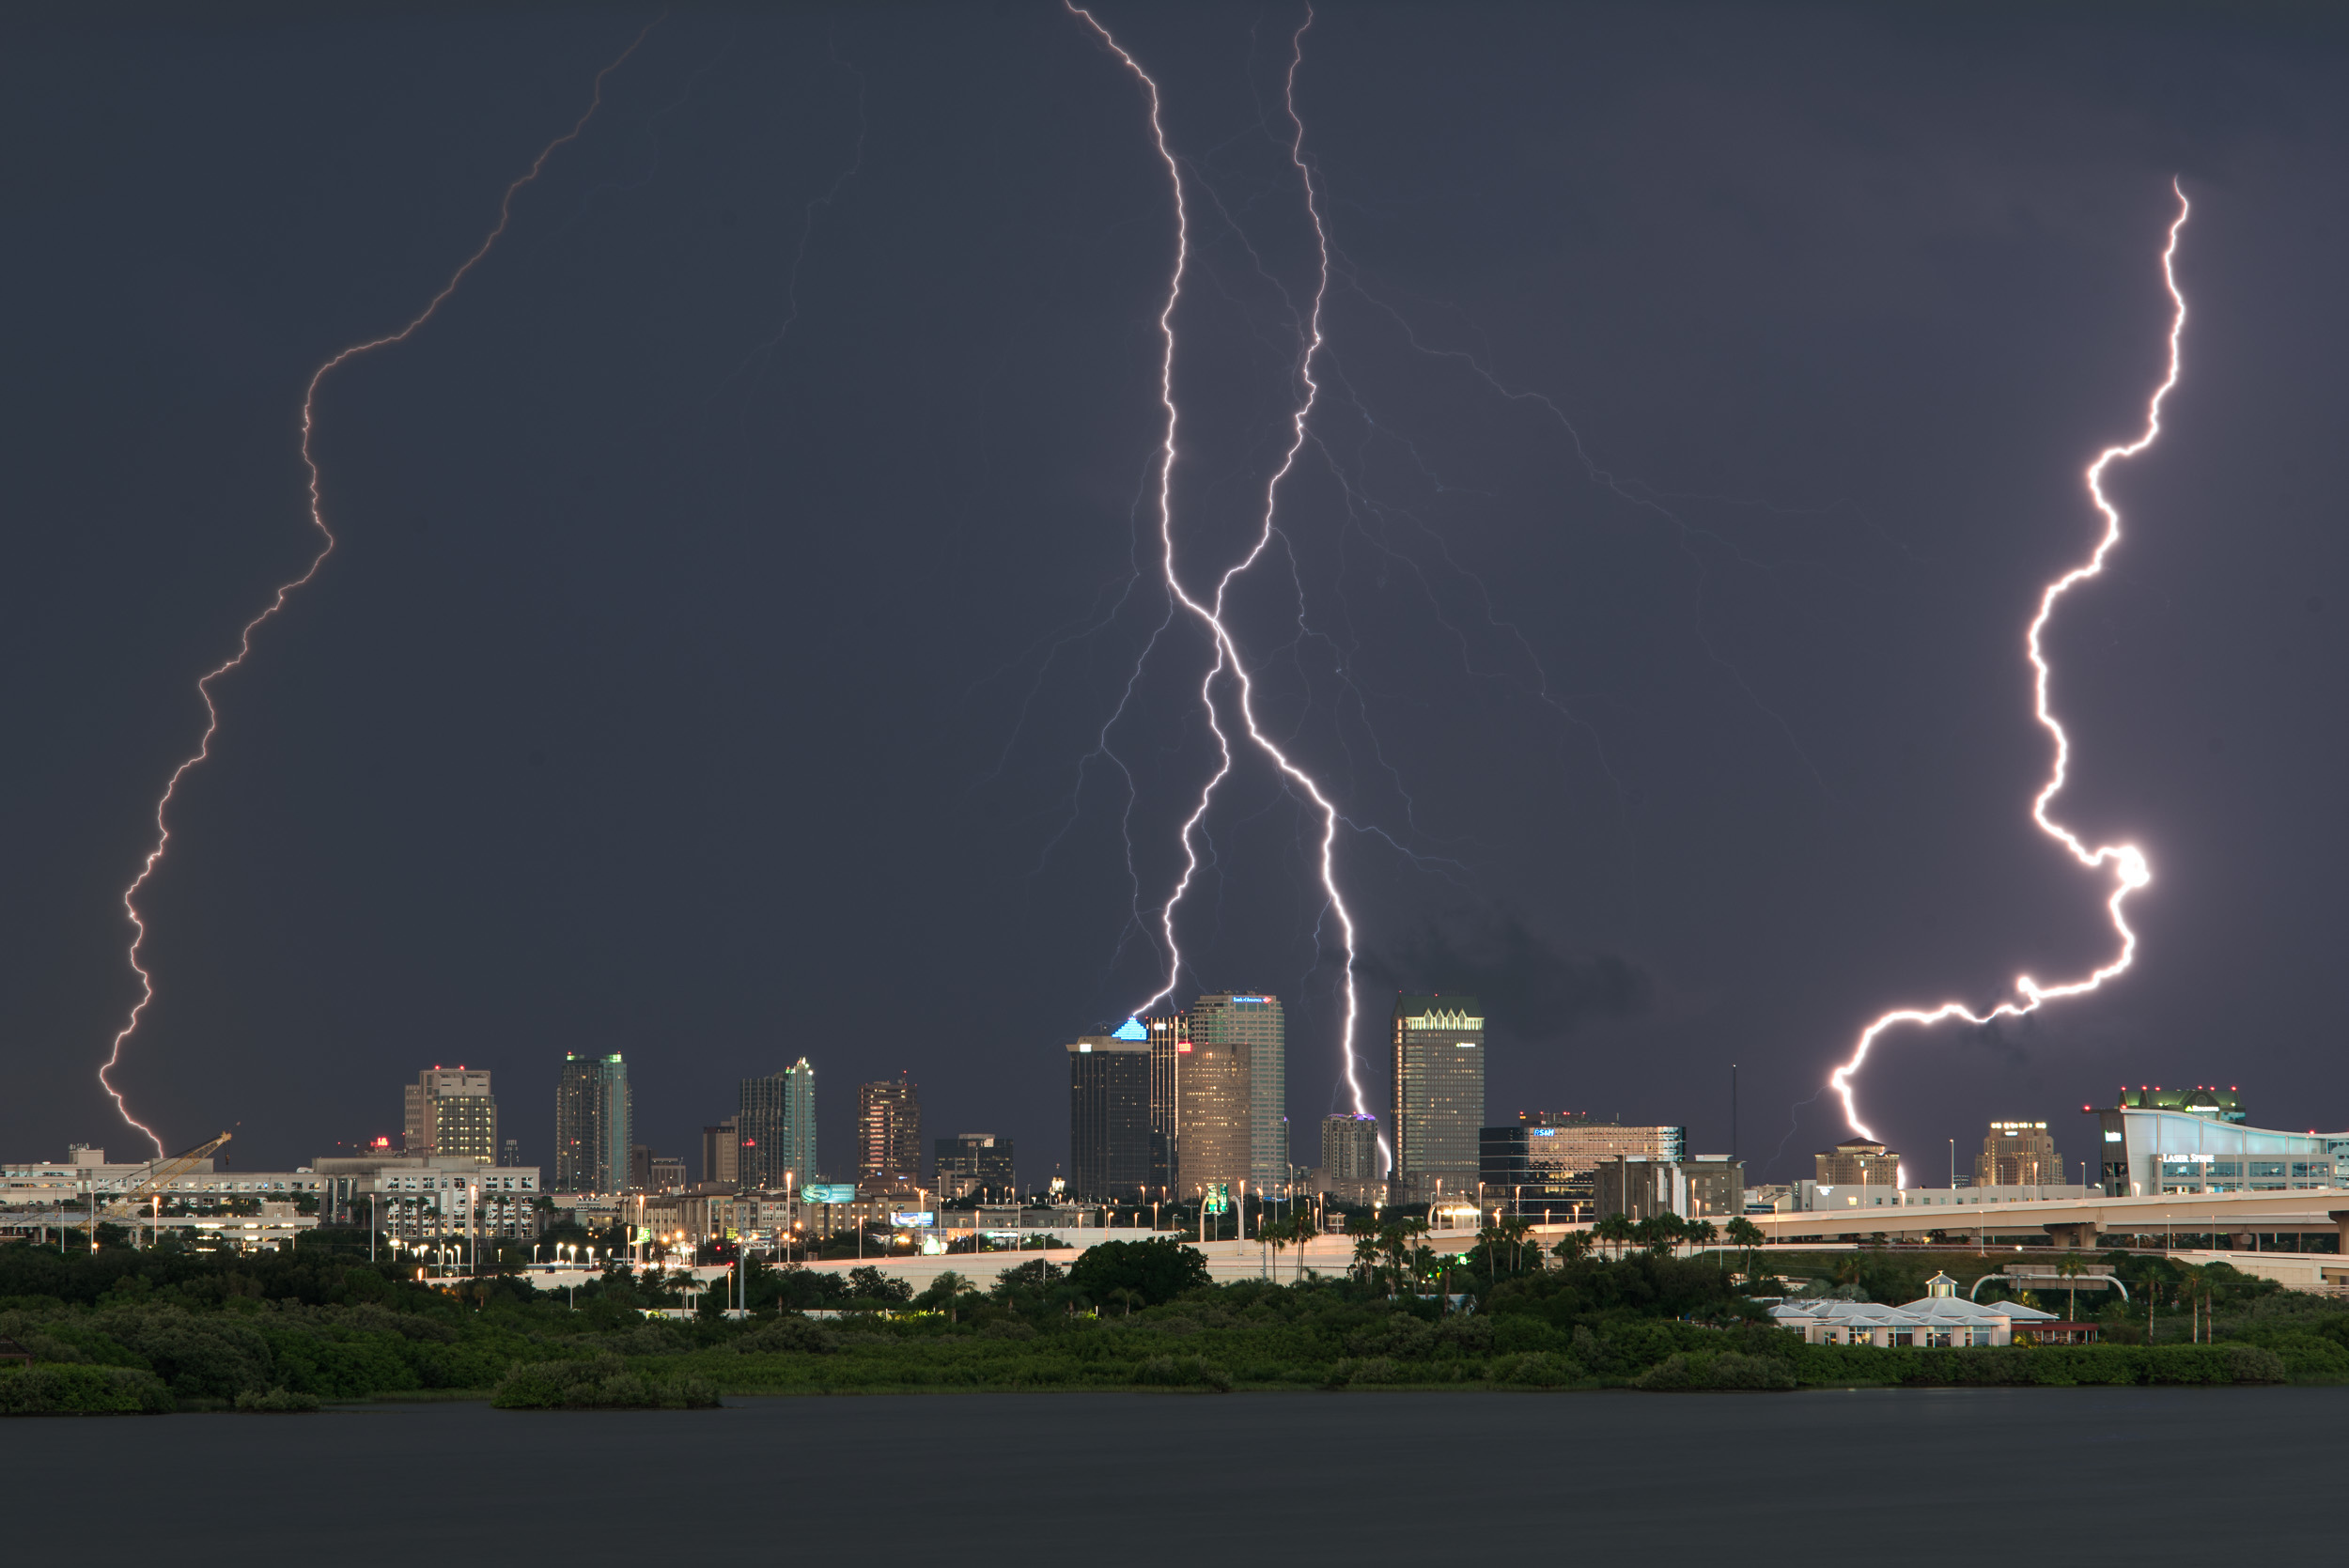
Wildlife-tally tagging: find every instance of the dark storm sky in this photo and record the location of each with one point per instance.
(738, 572)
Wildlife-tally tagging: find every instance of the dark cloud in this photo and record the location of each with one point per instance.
(1533, 989)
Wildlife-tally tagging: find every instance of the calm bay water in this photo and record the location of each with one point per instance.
(1937, 1476)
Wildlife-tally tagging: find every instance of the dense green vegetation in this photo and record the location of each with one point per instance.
(125, 1330)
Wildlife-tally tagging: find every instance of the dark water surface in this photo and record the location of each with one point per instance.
(1897, 1476)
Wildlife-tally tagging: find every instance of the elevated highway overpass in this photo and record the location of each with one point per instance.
(2080, 1222)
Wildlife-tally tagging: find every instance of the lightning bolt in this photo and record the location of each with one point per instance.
(287, 590)
(1208, 611)
(2130, 869)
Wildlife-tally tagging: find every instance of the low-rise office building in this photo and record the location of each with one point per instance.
(417, 1199)
(2199, 1144)
(1710, 1186)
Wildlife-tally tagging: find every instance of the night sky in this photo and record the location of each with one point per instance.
(738, 574)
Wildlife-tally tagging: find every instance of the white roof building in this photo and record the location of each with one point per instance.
(1941, 1318)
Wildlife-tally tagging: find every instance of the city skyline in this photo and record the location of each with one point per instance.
(1626, 557)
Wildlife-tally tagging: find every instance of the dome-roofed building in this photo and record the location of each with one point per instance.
(1940, 1318)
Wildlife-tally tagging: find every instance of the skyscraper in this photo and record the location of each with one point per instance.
(889, 1132)
(451, 1113)
(1109, 1116)
(974, 1163)
(591, 1115)
(777, 1120)
(1170, 1042)
(1251, 1027)
(722, 1152)
(1349, 1148)
(1211, 1111)
(1439, 1095)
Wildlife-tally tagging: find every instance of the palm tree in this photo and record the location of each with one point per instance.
(1615, 1230)
(1365, 1250)
(949, 1287)
(1127, 1295)
(1746, 1234)
(2072, 1266)
(1303, 1227)
(1573, 1247)
(2195, 1278)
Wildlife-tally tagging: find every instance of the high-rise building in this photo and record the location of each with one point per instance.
(1439, 1095)
(511, 1153)
(451, 1114)
(777, 1120)
(1212, 1149)
(1349, 1148)
(2018, 1154)
(593, 1108)
(722, 1154)
(1170, 1044)
(667, 1173)
(1543, 1167)
(889, 1133)
(1254, 1027)
(640, 1167)
(1109, 1117)
(975, 1163)
(1857, 1162)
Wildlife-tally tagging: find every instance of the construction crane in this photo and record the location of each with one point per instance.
(160, 1175)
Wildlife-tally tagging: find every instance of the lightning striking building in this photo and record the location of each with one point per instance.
(450, 1113)
(1437, 1101)
(1857, 1162)
(1219, 1089)
(1253, 1026)
(1109, 1117)
(593, 1111)
(1349, 1148)
(1170, 1044)
(776, 1116)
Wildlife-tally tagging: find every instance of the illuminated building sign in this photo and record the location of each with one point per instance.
(1130, 1029)
(1258, 1001)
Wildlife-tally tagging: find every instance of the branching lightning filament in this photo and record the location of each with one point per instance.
(285, 591)
(1209, 610)
(2130, 869)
